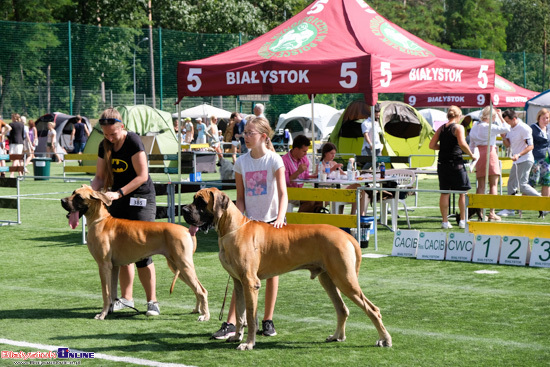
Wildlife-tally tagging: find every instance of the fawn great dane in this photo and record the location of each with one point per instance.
(252, 250)
(114, 242)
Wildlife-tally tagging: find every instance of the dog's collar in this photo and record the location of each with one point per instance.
(235, 230)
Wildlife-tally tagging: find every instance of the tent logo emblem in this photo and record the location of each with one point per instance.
(301, 37)
(501, 84)
(392, 37)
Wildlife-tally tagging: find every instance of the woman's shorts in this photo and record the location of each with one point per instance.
(453, 176)
(16, 148)
(540, 173)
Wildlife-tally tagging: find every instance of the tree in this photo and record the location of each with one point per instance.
(229, 16)
(31, 39)
(423, 18)
(476, 24)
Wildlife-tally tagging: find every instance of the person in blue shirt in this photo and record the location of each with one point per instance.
(540, 172)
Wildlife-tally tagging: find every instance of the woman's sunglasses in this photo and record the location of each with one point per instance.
(108, 121)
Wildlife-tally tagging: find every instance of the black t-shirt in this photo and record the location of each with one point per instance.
(123, 170)
(17, 133)
(80, 133)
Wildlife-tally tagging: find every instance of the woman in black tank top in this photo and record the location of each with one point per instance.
(450, 140)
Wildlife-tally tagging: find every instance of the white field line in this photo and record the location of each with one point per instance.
(138, 361)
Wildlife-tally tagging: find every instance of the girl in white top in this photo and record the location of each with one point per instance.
(262, 195)
(478, 139)
(214, 135)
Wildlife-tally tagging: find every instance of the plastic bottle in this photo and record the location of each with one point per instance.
(327, 168)
(382, 170)
(321, 168)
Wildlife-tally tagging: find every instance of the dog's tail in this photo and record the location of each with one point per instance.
(176, 275)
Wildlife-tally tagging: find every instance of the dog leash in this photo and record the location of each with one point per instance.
(235, 230)
(224, 298)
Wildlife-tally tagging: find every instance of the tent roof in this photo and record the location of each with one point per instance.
(203, 110)
(535, 104)
(324, 117)
(506, 94)
(341, 46)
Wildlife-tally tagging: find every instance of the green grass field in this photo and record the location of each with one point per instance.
(438, 313)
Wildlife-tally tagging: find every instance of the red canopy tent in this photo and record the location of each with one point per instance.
(335, 46)
(505, 94)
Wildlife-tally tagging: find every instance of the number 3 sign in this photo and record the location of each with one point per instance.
(540, 254)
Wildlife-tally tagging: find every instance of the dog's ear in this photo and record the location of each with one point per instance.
(101, 196)
(220, 200)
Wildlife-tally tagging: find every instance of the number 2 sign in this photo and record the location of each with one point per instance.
(514, 250)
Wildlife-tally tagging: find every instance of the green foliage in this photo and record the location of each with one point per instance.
(475, 24)
(423, 18)
(528, 25)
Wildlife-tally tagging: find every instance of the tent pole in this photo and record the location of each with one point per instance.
(314, 160)
(488, 145)
(179, 160)
(373, 156)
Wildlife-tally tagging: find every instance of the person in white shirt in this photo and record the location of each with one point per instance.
(520, 141)
(366, 129)
(479, 139)
(262, 195)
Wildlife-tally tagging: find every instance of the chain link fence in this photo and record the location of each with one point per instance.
(82, 69)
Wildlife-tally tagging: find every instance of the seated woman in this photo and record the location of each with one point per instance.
(328, 152)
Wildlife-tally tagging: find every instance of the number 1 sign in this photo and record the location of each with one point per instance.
(486, 249)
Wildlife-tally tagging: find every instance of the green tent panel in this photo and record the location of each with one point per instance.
(154, 126)
(406, 132)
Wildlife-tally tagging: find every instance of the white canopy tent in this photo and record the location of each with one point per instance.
(204, 111)
(325, 119)
(535, 104)
(435, 118)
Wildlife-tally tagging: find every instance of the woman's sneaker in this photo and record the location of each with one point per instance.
(152, 309)
(122, 303)
(227, 330)
(446, 225)
(268, 329)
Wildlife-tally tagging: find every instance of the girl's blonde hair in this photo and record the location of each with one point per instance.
(262, 126)
(109, 113)
(454, 112)
(51, 124)
(485, 113)
(541, 112)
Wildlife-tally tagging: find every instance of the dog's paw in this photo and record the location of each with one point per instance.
(100, 316)
(245, 346)
(203, 318)
(383, 343)
(334, 338)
